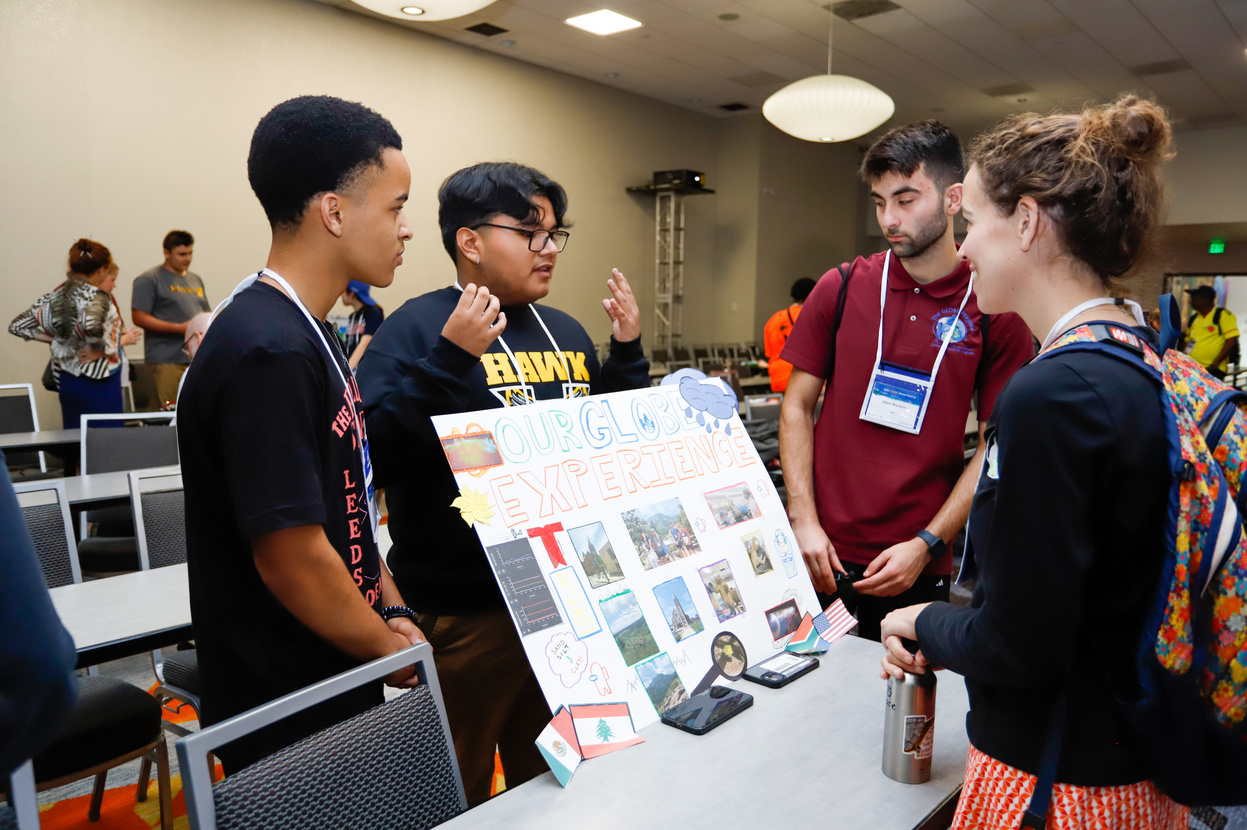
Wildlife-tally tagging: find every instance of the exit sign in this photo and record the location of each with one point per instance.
(1216, 246)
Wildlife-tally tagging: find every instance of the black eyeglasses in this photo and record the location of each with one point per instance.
(536, 239)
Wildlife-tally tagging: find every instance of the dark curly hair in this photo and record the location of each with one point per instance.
(1096, 173)
(929, 144)
(312, 145)
(472, 195)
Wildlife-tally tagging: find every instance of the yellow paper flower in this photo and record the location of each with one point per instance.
(473, 507)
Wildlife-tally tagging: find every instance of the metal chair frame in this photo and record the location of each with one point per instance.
(193, 750)
(34, 414)
(140, 484)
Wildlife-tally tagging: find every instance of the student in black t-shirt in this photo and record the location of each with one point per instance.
(287, 586)
(363, 323)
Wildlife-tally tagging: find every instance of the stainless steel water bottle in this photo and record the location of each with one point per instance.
(909, 728)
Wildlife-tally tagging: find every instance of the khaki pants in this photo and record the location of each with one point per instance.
(492, 698)
(156, 383)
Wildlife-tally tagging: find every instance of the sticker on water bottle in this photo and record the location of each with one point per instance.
(919, 736)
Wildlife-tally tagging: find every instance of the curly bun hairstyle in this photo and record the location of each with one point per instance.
(86, 257)
(1095, 173)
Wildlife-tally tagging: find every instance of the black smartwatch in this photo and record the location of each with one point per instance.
(391, 611)
(935, 545)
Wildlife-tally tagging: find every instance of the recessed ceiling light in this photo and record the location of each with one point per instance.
(611, 75)
(604, 22)
(508, 42)
(412, 10)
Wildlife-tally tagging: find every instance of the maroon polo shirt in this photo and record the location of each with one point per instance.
(874, 486)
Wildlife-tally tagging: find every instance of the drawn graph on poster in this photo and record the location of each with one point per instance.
(523, 586)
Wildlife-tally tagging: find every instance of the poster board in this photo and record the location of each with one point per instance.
(627, 532)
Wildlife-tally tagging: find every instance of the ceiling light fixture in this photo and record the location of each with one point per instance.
(604, 22)
(828, 108)
(428, 10)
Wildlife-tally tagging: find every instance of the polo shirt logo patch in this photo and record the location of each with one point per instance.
(961, 325)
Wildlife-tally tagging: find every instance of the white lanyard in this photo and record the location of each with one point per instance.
(1059, 327)
(898, 397)
(333, 355)
(948, 336)
(519, 370)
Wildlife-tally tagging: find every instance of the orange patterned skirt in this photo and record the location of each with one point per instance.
(995, 795)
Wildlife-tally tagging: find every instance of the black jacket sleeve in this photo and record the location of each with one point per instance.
(1054, 440)
(626, 368)
(37, 656)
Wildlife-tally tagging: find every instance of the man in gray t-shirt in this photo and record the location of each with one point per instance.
(165, 298)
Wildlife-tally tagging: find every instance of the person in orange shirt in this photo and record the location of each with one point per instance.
(776, 332)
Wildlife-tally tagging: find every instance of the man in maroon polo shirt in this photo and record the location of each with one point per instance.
(876, 489)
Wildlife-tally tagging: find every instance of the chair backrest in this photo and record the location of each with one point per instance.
(45, 509)
(18, 414)
(151, 442)
(24, 803)
(159, 518)
(344, 776)
(17, 408)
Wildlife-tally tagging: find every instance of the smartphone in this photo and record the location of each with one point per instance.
(781, 669)
(701, 713)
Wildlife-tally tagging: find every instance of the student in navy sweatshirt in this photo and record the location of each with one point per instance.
(480, 343)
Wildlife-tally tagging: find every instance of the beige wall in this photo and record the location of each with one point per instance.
(124, 119)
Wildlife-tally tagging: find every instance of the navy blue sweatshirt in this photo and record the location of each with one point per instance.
(1068, 537)
(409, 373)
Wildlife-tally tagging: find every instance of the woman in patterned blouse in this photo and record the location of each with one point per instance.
(84, 327)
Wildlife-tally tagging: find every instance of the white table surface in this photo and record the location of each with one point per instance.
(804, 756)
(43, 439)
(116, 609)
(98, 487)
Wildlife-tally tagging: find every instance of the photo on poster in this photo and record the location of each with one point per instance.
(661, 532)
(596, 554)
(474, 451)
(758, 557)
(732, 505)
(721, 586)
(784, 619)
(661, 682)
(523, 586)
(627, 624)
(677, 607)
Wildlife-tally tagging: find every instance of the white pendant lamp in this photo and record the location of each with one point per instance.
(422, 10)
(827, 108)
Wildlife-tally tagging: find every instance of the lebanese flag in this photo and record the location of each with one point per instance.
(603, 728)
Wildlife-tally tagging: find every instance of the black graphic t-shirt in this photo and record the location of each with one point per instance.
(268, 442)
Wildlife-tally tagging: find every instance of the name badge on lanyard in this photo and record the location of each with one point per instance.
(897, 396)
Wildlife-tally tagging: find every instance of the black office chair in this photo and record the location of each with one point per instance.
(118, 443)
(18, 414)
(160, 522)
(113, 722)
(392, 766)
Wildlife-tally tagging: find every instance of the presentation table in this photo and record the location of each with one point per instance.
(806, 755)
(119, 616)
(97, 488)
(44, 439)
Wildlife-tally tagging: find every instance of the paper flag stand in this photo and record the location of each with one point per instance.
(585, 731)
(816, 634)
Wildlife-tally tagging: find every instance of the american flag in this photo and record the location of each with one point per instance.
(834, 622)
